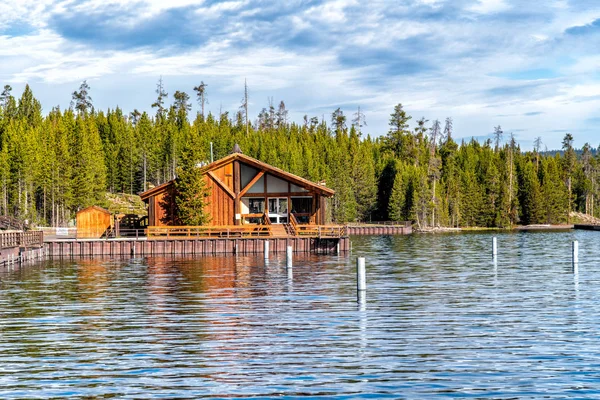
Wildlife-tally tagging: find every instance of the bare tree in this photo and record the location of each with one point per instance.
(201, 95)
(359, 121)
(537, 145)
(159, 104)
(244, 106)
(498, 136)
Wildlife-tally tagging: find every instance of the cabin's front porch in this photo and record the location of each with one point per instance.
(264, 229)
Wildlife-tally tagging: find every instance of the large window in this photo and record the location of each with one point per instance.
(302, 209)
(301, 205)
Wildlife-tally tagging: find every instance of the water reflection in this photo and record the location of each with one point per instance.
(433, 321)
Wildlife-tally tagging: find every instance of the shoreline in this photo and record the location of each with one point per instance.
(518, 228)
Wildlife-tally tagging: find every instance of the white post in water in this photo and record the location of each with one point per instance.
(266, 249)
(361, 275)
(289, 257)
(494, 246)
(337, 248)
(575, 252)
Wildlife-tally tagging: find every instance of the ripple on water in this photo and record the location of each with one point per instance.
(441, 318)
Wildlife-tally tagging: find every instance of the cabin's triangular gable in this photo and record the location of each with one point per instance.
(258, 166)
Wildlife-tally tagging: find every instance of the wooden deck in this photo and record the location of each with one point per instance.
(246, 231)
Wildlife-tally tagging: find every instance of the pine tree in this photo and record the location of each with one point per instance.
(81, 99)
(530, 196)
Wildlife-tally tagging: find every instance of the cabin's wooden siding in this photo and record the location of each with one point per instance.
(92, 223)
(224, 201)
(220, 203)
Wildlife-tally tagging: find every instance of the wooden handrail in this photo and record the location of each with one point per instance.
(196, 232)
(21, 239)
(236, 231)
(266, 219)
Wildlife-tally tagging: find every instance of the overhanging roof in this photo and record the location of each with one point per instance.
(261, 166)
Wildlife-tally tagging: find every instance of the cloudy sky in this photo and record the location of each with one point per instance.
(531, 66)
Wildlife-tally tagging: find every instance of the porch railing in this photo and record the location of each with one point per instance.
(21, 239)
(193, 232)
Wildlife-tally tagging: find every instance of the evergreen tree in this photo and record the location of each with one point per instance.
(530, 196)
(81, 99)
(191, 192)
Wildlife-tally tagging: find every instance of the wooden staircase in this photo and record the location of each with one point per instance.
(278, 230)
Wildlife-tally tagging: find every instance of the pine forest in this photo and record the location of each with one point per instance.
(53, 164)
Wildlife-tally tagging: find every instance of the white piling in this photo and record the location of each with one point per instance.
(337, 248)
(575, 249)
(361, 275)
(266, 249)
(494, 246)
(289, 257)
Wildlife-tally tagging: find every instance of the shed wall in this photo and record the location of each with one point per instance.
(92, 223)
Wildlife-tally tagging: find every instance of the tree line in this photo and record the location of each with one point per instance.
(55, 164)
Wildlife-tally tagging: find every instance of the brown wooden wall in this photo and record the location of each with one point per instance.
(220, 203)
(92, 223)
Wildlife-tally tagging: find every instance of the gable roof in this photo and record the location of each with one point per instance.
(261, 166)
(156, 189)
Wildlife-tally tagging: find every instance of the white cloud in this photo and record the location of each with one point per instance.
(466, 57)
(489, 6)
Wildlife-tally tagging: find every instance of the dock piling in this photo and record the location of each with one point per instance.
(575, 251)
(266, 249)
(494, 247)
(289, 257)
(361, 275)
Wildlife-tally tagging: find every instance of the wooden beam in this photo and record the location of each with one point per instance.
(221, 183)
(237, 184)
(252, 182)
(278, 194)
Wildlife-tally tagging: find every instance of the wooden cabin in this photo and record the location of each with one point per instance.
(93, 222)
(244, 190)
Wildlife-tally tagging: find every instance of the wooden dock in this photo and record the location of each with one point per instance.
(19, 246)
(380, 229)
(183, 246)
(587, 227)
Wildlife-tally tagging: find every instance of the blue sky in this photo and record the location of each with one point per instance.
(532, 67)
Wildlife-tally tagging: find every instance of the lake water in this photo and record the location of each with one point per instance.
(440, 318)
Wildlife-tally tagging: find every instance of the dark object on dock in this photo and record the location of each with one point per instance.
(587, 227)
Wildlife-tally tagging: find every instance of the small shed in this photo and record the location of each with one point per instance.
(93, 222)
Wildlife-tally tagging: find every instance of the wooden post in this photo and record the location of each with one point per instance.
(237, 183)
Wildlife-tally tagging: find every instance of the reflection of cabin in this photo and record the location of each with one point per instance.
(93, 222)
(243, 190)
